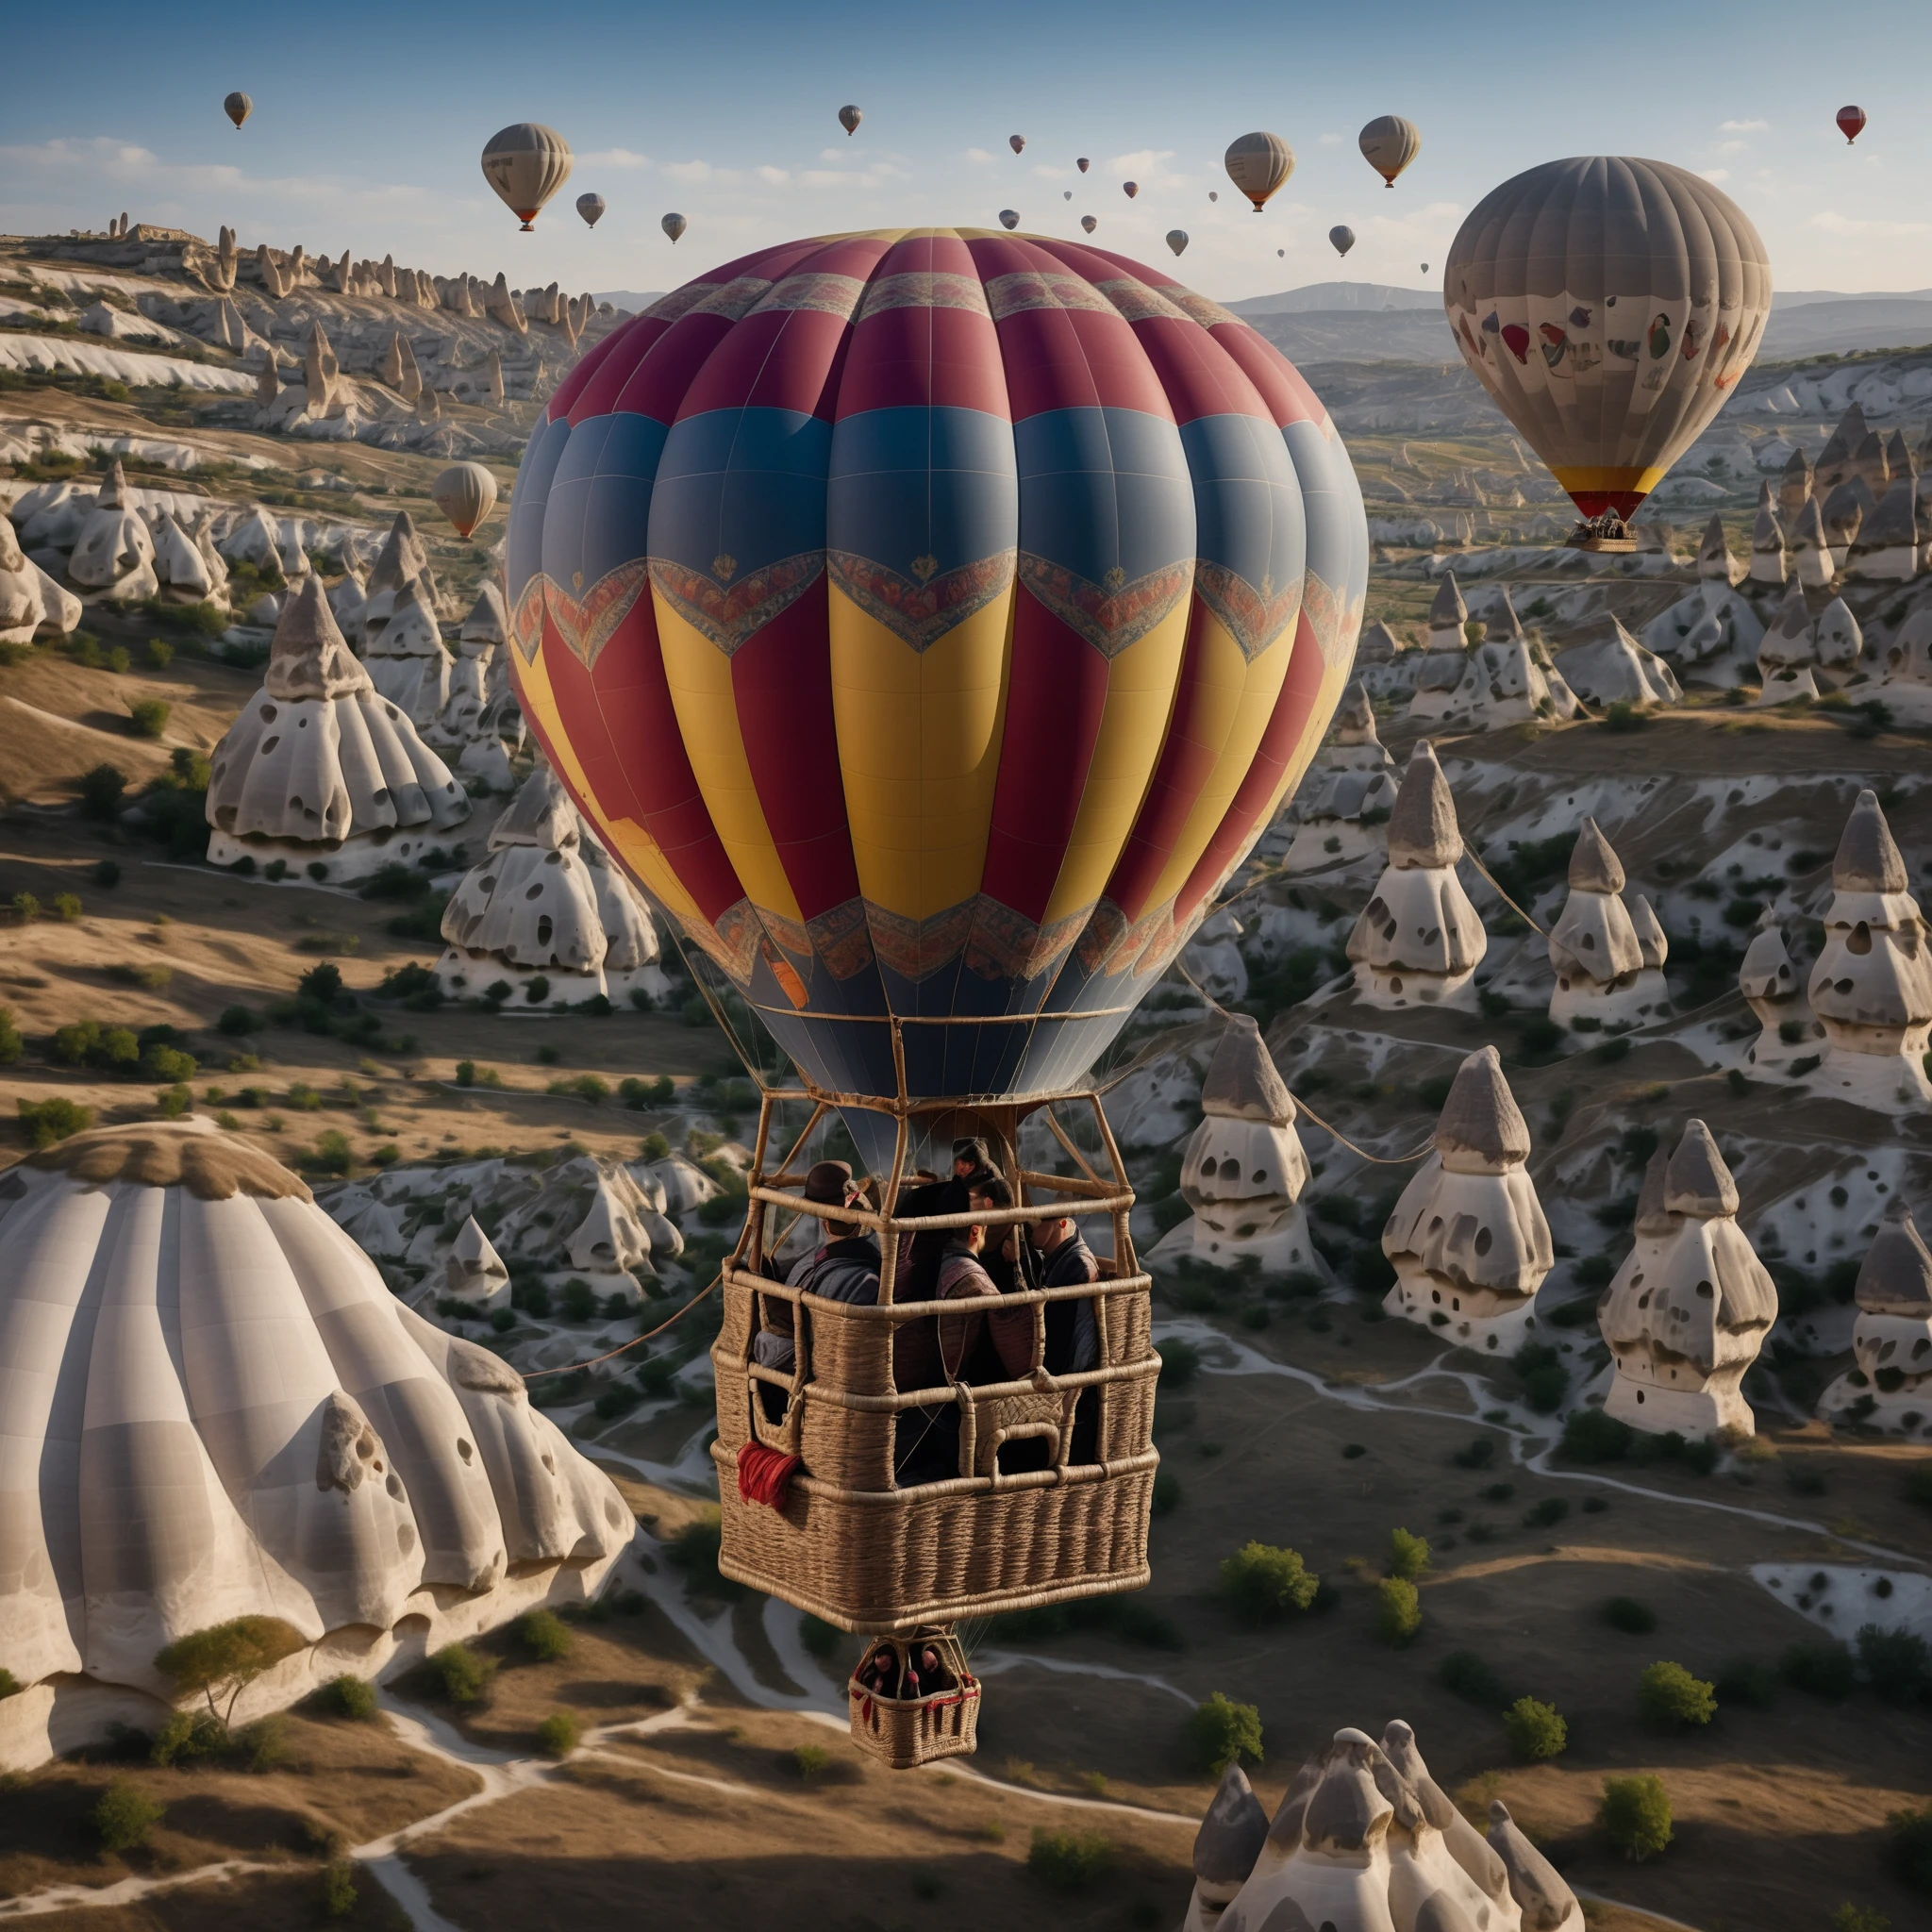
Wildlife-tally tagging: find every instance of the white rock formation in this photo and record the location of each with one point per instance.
(1888, 548)
(1712, 633)
(1506, 680)
(1907, 669)
(1467, 1238)
(1615, 669)
(253, 538)
(1350, 790)
(1226, 1847)
(474, 1274)
(1601, 970)
(346, 602)
(217, 1409)
(1812, 562)
(407, 661)
(317, 770)
(1715, 563)
(1771, 987)
(630, 937)
(181, 568)
(593, 1217)
(1445, 656)
(1838, 640)
(1768, 562)
(1891, 1386)
(527, 914)
(1872, 987)
(1687, 1312)
(321, 371)
(1244, 1170)
(403, 560)
(1788, 657)
(32, 605)
(115, 554)
(1419, 941)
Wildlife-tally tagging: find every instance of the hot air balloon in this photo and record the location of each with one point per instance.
(1214, 194)
(1851, 123)
(674, 226)
(1090, 223)
(1066, 194)
(1281, 251)
(592, 207)
(1017, 142)
(1343, 238)
(1388, 144)
(527, 164)
(238, 108)
(1010, 218)
(1177, 240)
(1257, 164)
(465, 493)
(935, 719)
(1130, 189)
(1425, 268)
(1083, 164)
(1610, 307)
(849, 118)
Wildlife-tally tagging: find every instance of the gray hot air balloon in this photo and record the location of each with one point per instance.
(465, 493)
(527, 164)
(1281, 251)
(592, 207)
(1343, 238)
(1066, 194)
(1090, 223)
(1177, 240)
(1017, 142)
(1257, 164)
(1083, 164)
(1609, 306)
(674, 226)
(1388, 144)
(1010, 218)
(1425, 268)
(849, 118)
(1214, 194)
(1130, 189)
(238, 108)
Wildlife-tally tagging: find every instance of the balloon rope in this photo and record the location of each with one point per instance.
(570, 1367)
(1469, 853)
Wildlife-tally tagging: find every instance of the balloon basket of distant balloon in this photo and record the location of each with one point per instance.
(934, 1713)
(1605, 533)
(912, 1507)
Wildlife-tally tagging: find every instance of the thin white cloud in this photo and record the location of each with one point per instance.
(616, 158)
(1743, 126)
(977, 154)
(1836, 224)
(1732, 147)
(1045, 170)
(1717, 176)
(776, 177)
(1330, 140)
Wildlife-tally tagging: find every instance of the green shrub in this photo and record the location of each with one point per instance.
(67, 906)
(1180, 1363)
(544, 1635)
(123, 1817)
(333, 1153)
(556, 1736)
(578, 1300)
(27, 906)
(49, 1121)
(1823, 1670)
(101, 791)
(1911, 1847)
(1398, 1609)
(810, 1761)
(654, 1147)
(148, 716)
(1591, 1436)
(1221, 1733)
(1627, 1614)
(1635, 1816)
(338, 1888)
(186, 1736)
(174, 1103)
(461, 1674)
(1070, 1860)
(1465, 1675)
(160, 653)
(1669, 1698)
(12, 1044)
(1855, 1918)
(10, 1686)
(265, 1743)
(350, 1697)
(1409, 1555)
(159, 1062)
(1897, 1664)
(1747, 1680)
(1919, 1486)
(1261, 1582)
(1536, 1730)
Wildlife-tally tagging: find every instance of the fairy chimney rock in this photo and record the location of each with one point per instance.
(1448, 614)
(1888, 546)
(1714, 558)
(1603, 971)
(1772, 990)
(1225, 1848)
(1890, 1386)
(1546, 1903)
(1344, 801)
(321, 371)
(1768, 562)
(474, 1274)
(1422, 831)
(1811, 559)
(1794, 485)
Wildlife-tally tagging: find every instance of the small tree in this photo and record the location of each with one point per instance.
(463, 1674)
(1669, 1698)
(351, 1697)
(1635, 1815)
(123, 1817)
(1536, 1730)
(544, 1635)
(1221, 1733)
(1262, 1582)
(226, 1658)
(1409, 1555)
(338, 1888)
(556, 1736)
(1398, 1609)
(1897, 1663)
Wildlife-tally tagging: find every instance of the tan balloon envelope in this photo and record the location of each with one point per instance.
(592, 207)
(849, 118)
(1610, 307)
(465, 493)
(674, 226)
(1388, 144)
(527, 164)
(1257, 164)
(238, 108)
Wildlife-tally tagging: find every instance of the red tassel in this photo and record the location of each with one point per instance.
(764, 1474)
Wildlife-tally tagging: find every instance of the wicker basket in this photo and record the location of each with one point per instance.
(903, 1732)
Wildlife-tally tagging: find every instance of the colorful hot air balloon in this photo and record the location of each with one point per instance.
(592, 207)
(465, 493)
(1083, 164)
(1090, 223)
(849, 118)
(1257, 164)
(1177, 240)
(527, 164)
(674, 226)
(1851, 123)
(238, 108)
(1010, 218)
(1388, 144)
(1130, 189)
(1608, 306)
(1017, 142)
(1343, 238)
(904, 685)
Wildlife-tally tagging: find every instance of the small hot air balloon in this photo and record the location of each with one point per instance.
(1851, 122)
(1066, 194)
(527, 164)
(1083, 164)
(1214, 194)
(1425, 268)
(1388, 144)
(1090, 223)
(1130, 189)
(1343, 238)
(1281, 251)
(592, 207)
(1010, 218)
(1017, 142)
(1177, 240)
(849, 118)
(465, 493)
(1257, 164)
(238, 108)
(674, 226)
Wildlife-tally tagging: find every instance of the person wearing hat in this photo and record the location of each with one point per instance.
(844, 1267)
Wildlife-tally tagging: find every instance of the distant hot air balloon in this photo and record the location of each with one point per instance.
(1343, 238)
(1388, 144)
(1017, 142)
(1281, 251)
(1090, 223)
(1257, 164)
(1010, 218)
(1425, 268)
(1083, 164)
(1610, 307)
(1214, 194)
(592, 207)
(1177, 240)
(527, 164)
(465, 493)
(238, 108)
(674, 226)
(1130, 189)
(1851, 122)
(849, 118)
(1066, 194)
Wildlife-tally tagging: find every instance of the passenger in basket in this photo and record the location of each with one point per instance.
(1009, 1266)
(932, 1351)
(1072, 1335)
(844, 1267)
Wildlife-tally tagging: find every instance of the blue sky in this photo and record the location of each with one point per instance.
(369, 121)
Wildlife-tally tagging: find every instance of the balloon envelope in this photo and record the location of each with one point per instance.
(1343, 238)
(465, 493)
(1130, 189)
(238, 106)
(1388, 144)
(908, 689)
(592, 207)
(1213, 195)
(1257, 164)
(1610, 307)
(527, 164)
(849, 118)
(1066, 194)
(1851, 123)
(1090, 223)
(674, 226)
(1017, 142)
(1177, 240)
(1083, 164)
(1010, 218)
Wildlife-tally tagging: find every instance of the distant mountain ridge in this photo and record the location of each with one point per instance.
(628, 298)
(1329, 296)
